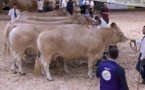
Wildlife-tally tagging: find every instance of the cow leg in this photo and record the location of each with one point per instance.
(46, 67)
(19, 63)
(66, 66)
(42, 68)
(91, 62)
(13, 67)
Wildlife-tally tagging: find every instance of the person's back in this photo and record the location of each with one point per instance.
(112, 75)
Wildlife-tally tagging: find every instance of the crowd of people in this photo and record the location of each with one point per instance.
(111, 74)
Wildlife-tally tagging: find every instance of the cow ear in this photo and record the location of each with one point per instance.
(113, 25)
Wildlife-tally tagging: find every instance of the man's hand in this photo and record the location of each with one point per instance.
(142, 59)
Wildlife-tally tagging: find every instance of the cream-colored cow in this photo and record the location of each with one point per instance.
(76, 43)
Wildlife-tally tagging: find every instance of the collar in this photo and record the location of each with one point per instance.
(101, 18)
(112, 60)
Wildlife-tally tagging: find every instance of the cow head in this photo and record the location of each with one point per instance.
(118, 36)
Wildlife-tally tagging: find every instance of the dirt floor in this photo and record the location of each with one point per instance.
(131, 24)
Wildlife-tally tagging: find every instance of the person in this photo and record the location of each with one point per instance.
(91, 7)
(87, 13)
(62, 4)
(103, 23)
(86, 2)
(84, 6)
(47, 7)
(105, 12)
(111, 74)
(40, 5)
(106, 53)
(14, 12)
(69, 7)
(140, 66)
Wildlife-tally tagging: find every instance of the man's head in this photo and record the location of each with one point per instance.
(96, 17)
(15, 6)
(87, 11)
(105, 5)
(143, 30)
(113, 53)
(98, 22)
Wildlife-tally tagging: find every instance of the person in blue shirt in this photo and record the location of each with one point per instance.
(111, 74)
(47, 7)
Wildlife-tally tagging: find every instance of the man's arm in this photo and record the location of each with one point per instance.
(122, 78)
(9, 13)
(138, 41)
(143, 49)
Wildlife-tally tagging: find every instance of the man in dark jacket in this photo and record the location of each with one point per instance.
(112, 75)
(69, 7)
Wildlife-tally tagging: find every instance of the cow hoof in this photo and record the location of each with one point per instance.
(23, 74)
(49, 79)
(14, 72)
(67, 72)
(42, 74)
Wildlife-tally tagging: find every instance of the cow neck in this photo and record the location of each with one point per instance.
(107, 35)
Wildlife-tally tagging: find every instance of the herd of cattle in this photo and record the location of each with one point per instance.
(57, 34)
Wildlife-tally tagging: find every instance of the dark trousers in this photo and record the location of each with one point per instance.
(91, 12)
(140, 67)
(70, 12)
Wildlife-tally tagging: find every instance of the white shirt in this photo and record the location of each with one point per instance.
(86, 2)
(142, 47)
(40, 5)
(98, 26)
(62, 4)
(92, 4)
(103, 23)
(11, 13)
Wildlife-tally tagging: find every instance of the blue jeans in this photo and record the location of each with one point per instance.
(138, 66)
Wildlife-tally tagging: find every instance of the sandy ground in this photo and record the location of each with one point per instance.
(131, 24)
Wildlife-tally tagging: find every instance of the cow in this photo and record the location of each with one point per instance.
(79, 18)
(75, 20)
(21, 37)
(76, 43)
(47, 14)
(15, 22)
(25, 5)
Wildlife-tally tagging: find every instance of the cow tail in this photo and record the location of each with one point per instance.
(37, 67)
(6, 50)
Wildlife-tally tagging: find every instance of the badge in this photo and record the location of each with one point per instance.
(106, 75)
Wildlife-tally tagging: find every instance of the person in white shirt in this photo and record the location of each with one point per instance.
(62, 4)
(86, 2)
(103, 23)
(140, 66)
(91, 7)
(14, 12)
(40, 5)
(95, 22)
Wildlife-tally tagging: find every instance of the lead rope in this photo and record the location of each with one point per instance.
(135, 46)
